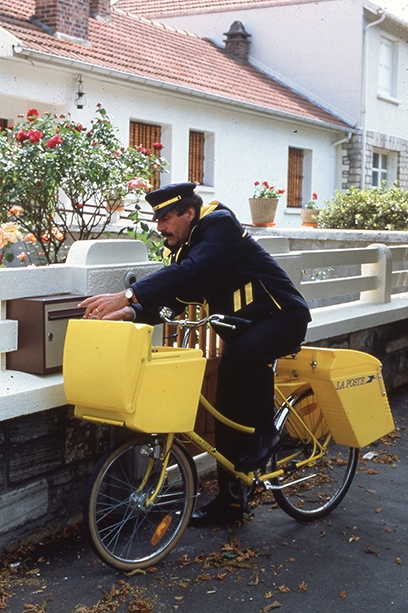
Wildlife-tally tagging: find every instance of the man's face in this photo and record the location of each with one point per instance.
(176, 228)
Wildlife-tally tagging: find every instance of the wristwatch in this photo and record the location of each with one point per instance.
(129, 295)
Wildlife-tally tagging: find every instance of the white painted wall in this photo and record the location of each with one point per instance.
(248, 146)
(315, 46)
(386, 116)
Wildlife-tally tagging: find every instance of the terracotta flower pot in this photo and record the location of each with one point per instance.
(309, 217)
(263, 211)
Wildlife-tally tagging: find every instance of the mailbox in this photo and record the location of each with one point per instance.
(42, 325)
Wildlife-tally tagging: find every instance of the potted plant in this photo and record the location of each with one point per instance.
(264, 203)
(310, 213)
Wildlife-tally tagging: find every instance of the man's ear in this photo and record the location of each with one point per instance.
(190, 213)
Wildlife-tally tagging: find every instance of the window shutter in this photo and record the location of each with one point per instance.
(145, 135)
(196, 158)
(295, 178)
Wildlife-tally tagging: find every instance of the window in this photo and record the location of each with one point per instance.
(196, 157)
(145, 135)
(387, 67)
(201, 158)
(295, 178)
(3, 124)
(380, 168)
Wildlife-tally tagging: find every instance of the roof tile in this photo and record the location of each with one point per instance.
(162, 8)
(137, 47)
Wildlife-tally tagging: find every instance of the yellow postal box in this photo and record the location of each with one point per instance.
(349, 389)
(113, 375)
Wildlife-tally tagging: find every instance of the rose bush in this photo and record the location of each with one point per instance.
(56, 176)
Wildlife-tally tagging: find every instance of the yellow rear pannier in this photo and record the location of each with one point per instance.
(349, 390)
(113, 375)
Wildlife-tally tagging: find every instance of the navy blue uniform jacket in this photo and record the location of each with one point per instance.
(223, 266)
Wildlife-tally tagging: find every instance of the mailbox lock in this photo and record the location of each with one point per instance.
(50, 336)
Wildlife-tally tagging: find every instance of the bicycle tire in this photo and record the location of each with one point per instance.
(123, 531)
(327, 480)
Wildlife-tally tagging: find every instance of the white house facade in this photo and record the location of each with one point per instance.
(181, 86)
(349, 56)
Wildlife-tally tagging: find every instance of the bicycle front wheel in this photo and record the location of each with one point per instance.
(311, 491)
(128, 528)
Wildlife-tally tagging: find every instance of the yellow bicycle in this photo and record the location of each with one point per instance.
(142, 492)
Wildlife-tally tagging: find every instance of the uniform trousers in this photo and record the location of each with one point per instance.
(245, 386)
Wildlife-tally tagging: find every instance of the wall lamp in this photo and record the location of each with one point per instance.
(80, 95)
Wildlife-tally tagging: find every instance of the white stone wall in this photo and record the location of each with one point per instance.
(248, 145)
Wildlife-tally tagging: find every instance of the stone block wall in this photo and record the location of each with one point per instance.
(46, 460)
(353, 159)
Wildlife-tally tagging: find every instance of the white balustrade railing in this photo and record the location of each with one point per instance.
(351, 289)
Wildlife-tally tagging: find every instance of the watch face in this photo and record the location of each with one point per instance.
(129, 295)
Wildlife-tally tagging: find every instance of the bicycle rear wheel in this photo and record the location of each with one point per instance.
(125, 531)
(314, 490)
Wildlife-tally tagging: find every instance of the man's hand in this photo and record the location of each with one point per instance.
(107, 306)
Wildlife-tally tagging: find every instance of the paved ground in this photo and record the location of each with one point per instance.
(355, 560)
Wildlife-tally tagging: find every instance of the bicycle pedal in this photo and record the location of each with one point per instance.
(290, 467)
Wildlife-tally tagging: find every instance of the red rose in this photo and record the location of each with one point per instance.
(145, 151)
(265, 183)
(35, 136)
(158, 146)
(314, 196)
(54, 141)
(32, 114)
(21, 136)
(256, 183)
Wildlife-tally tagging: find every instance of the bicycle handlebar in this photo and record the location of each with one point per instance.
(227, 321)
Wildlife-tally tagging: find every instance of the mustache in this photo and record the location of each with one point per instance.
(167, 234)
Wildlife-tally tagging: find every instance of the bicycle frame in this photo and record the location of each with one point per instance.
(318, 450)
(284, 410)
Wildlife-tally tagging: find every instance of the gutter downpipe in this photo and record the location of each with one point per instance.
(381, 13)
(334, 145)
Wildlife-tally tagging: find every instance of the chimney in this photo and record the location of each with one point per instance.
(237, 43)
(100, 9)
(67, 19)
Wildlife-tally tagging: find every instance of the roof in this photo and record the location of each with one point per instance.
(166, 8)
(157, 54)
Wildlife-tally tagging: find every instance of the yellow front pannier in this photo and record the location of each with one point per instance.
(349, 390)
(113, 375)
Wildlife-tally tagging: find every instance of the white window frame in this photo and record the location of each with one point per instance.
(386, 169)
(388, 69)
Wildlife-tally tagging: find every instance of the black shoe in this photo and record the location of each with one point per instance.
(217, 511)
(260, 450)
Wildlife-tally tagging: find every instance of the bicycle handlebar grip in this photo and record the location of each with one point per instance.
(235, 321)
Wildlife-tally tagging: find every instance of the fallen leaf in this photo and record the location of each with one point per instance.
(353, 538)
(342, 594)
(369, 550)
(399, 561)
(270, 607)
